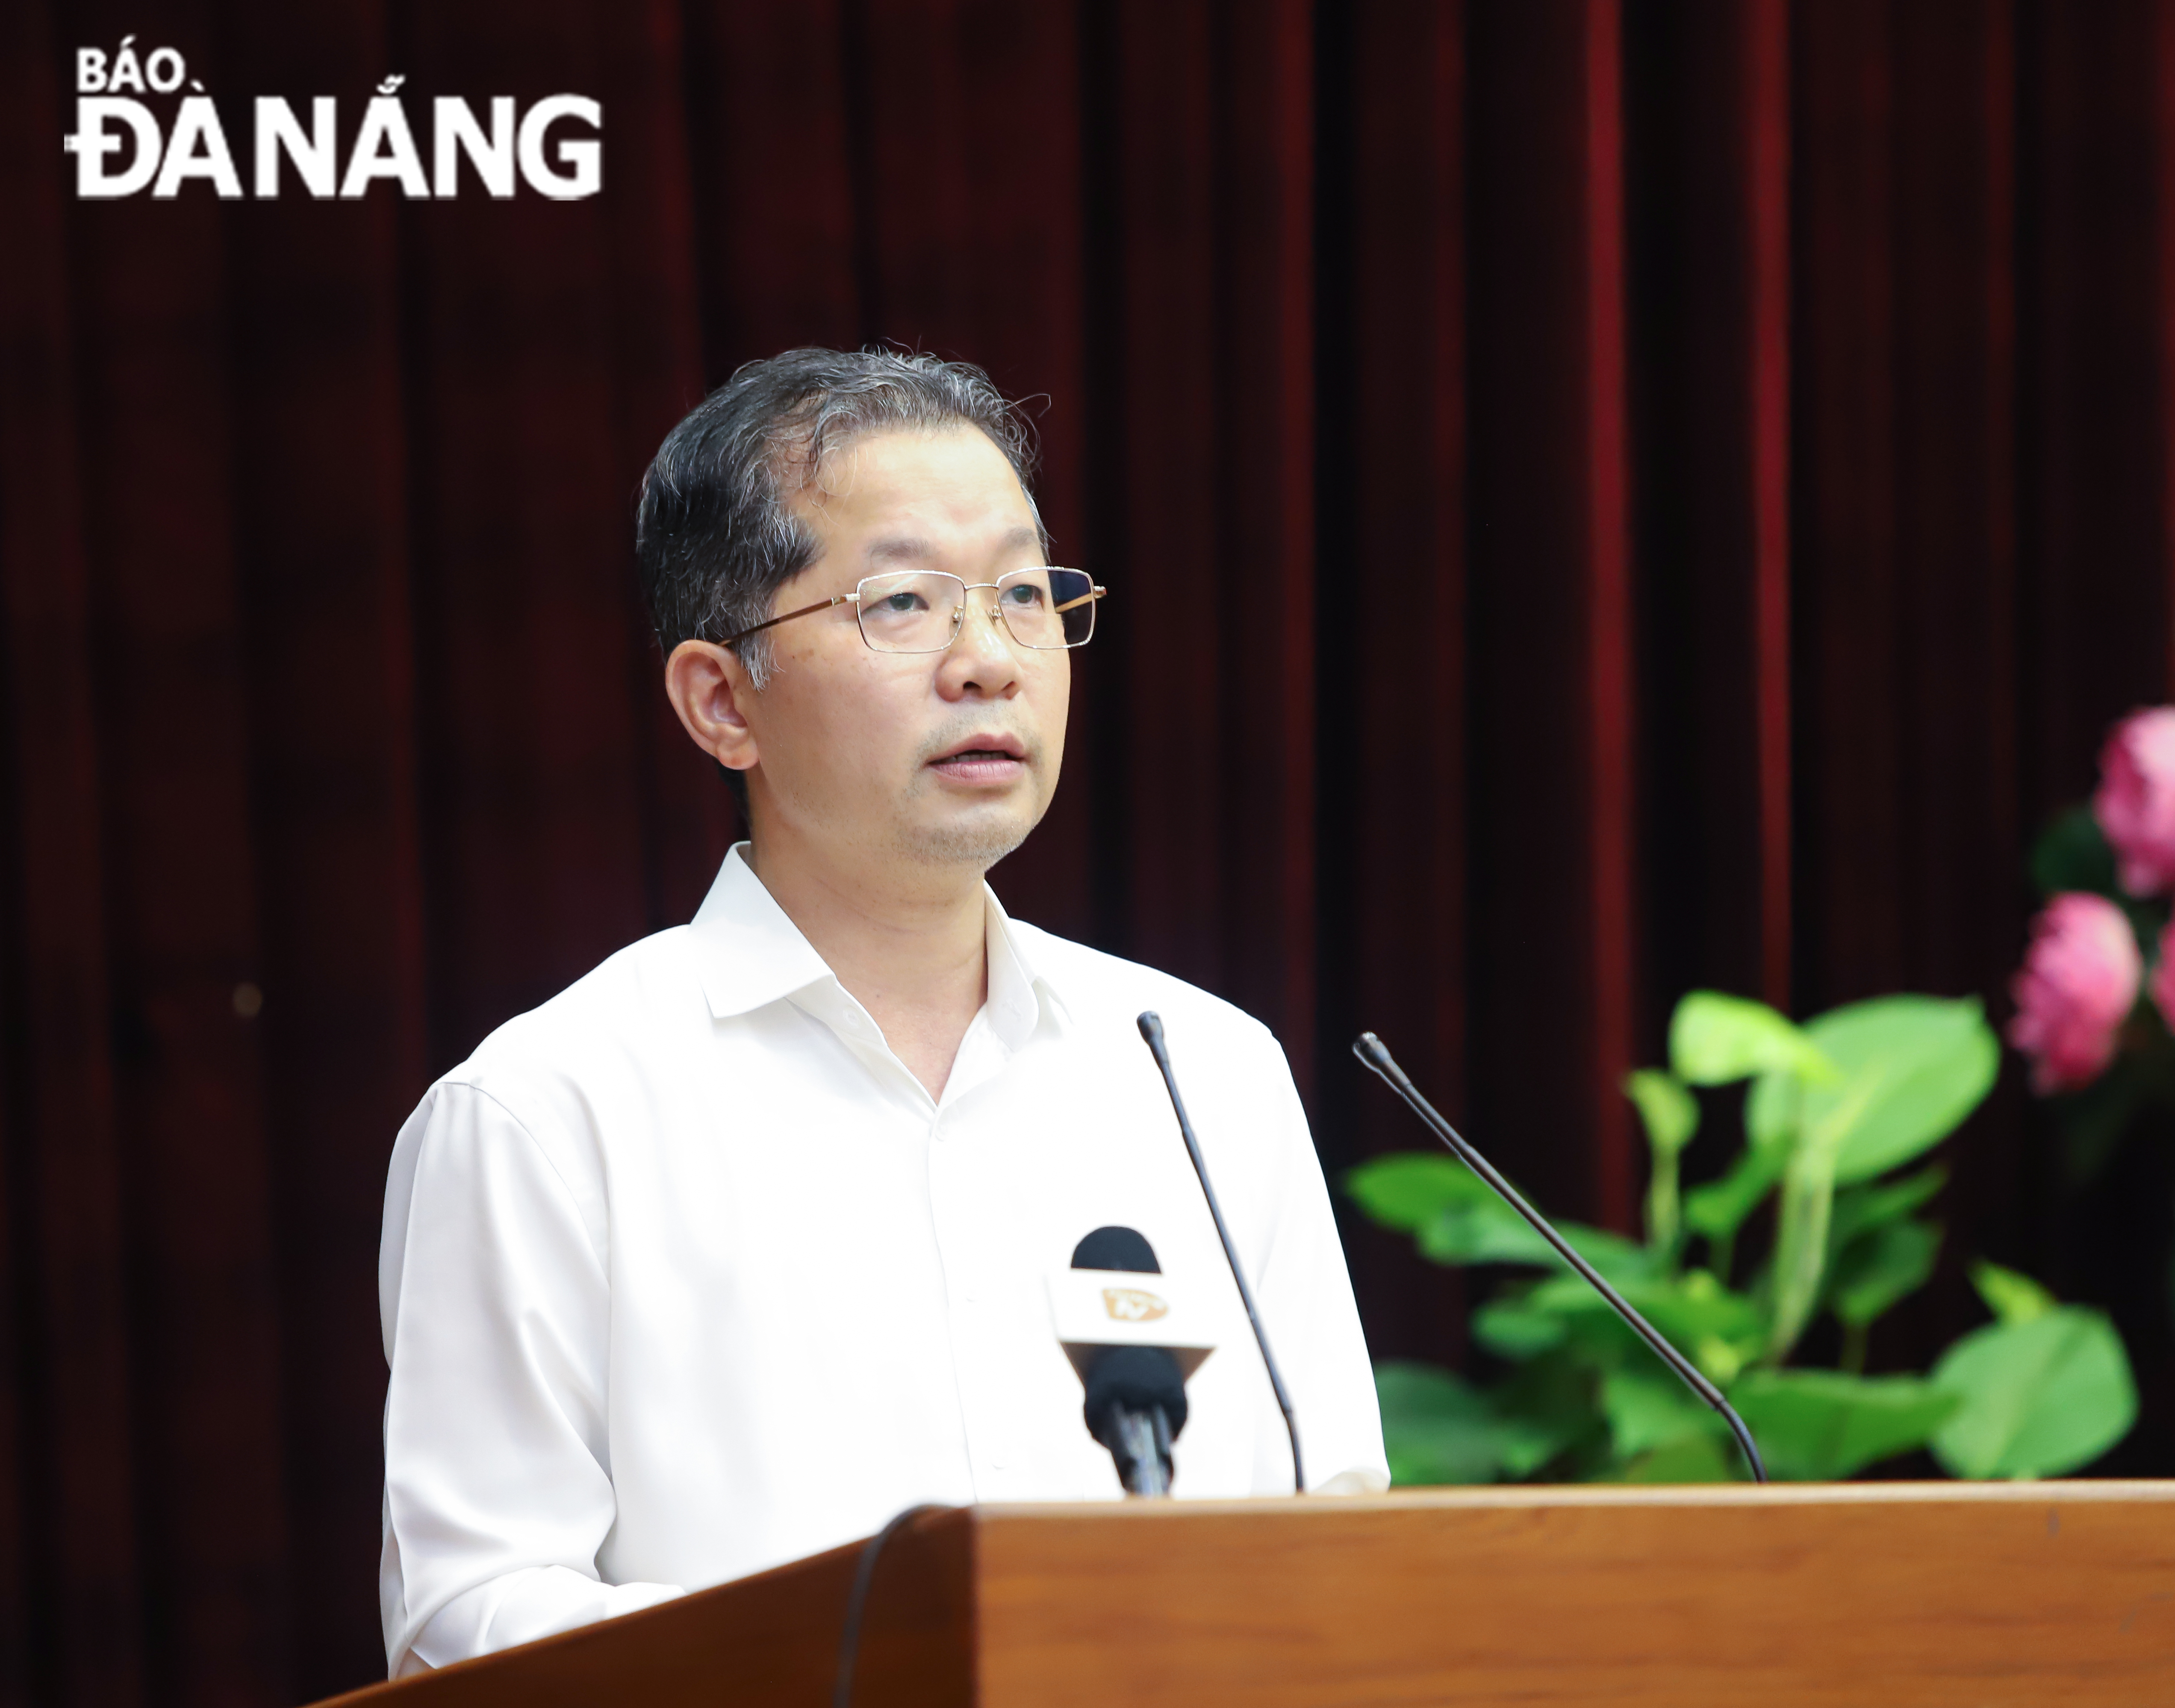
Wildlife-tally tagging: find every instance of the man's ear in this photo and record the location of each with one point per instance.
(708, 687)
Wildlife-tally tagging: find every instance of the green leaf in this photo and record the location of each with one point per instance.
(1774, 1111)
(1697, 1312)
(1622, 1261)
(1456, 1218)
(1716, 1328)
(1671, 1114)
(1858, 1209)
(1800, 1257)
(2037, 1399)
(1822, 1425)
(1912, 1067)
(1527, 1445)
(1648, 1407)
(1512, 1328)
(2011, 1297)
(1887, 1263)
(1715, 1039)
(1718, 1209)
(1409, 1189)
(2072, 854)
(1874, 1256)
(1436, 1427)
(1692, 1459)
(1487, 1231)
(1548, 1412)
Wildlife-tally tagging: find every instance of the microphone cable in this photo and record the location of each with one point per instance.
(857, 1600)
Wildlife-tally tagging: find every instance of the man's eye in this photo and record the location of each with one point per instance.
(1025, 594)
(901, 603)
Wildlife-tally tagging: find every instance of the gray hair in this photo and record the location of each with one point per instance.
(713, 538)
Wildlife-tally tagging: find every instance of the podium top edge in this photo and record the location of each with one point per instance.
(2081, 1492)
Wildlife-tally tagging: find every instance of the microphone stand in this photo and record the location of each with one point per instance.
(1151, 1026)
(1371, 1050)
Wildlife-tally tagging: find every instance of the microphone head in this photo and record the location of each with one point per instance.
(1117, 1247)
(1373, 1051)
(1150, 1025)
(1133, 1379)
(1136, 1378)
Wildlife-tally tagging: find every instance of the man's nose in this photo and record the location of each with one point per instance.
(982, 658)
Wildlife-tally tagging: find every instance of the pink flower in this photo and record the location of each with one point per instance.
(2135, 804)
(2076, 987)
(2163, 977)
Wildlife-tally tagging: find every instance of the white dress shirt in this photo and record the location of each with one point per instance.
(686, 1275)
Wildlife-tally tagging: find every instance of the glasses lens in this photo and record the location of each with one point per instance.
(1047, 608)
(913, 612)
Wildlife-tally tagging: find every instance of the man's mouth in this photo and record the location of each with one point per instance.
(983, 759)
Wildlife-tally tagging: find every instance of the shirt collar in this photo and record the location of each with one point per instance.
(1018, 999)
(752, 953)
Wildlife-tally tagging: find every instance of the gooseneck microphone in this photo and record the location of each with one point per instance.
(1136, 1402)
(1150, 1025)
(1371, 1050)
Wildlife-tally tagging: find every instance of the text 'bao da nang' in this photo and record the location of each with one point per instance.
(123, 146)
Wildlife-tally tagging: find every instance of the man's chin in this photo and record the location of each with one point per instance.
(978, 838)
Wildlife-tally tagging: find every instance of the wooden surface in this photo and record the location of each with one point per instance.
(1882, 1594)
(1970, 1595)
(771, 1639)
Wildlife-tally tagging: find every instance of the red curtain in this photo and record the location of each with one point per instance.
(1600, 497)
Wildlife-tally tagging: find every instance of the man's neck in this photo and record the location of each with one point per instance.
(907, 941)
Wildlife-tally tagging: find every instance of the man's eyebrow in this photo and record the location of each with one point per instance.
(900, 548)
(908, 548)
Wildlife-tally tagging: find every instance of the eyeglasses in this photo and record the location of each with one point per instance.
(921, 610)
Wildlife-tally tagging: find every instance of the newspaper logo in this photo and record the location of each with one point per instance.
(1131, 1305)
(120, 147)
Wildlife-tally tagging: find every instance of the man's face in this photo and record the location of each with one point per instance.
(949, 756)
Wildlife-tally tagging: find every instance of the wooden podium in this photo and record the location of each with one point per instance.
(1968, 1594)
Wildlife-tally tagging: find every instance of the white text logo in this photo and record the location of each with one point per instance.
(121, 147)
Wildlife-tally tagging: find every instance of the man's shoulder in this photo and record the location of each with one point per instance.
(1099, 987)
(636, 1000)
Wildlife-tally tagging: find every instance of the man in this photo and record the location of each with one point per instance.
(736, 1247)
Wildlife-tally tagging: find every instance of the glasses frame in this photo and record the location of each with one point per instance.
(958, 613)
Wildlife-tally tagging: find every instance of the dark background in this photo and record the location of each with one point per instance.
(1695, 473)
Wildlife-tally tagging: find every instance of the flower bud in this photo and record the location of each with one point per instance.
(2078, 984)
(2135, 804)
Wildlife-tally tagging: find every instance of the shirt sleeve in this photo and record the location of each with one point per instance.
(1312, 1321)
(495, 1308)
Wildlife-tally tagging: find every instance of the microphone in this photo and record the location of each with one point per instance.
(1150, 1025)
(1371, 1050)
(1136, 1404)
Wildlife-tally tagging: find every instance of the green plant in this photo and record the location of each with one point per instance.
(1836, 1114)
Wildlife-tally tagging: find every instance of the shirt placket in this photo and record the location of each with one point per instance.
(968, 1214)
